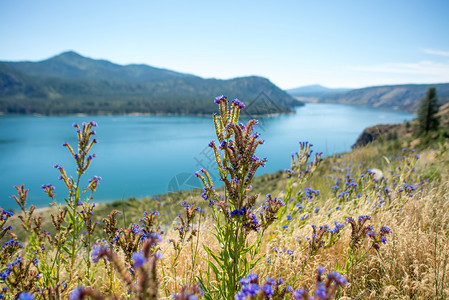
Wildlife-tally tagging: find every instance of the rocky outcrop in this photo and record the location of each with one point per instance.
(385, 132)
(392, 132)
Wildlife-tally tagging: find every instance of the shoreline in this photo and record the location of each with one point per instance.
(138, 114)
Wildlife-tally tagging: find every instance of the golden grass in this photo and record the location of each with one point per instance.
(413, 264)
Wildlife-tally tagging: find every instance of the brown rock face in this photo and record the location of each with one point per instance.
(373, 133)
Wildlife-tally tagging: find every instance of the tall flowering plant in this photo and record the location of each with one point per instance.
(74, 222)
(234, 211)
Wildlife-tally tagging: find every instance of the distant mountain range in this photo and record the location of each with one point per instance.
(404, 97)
(314, 90)
(70, 83)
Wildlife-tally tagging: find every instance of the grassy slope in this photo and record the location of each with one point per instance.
(413, 263)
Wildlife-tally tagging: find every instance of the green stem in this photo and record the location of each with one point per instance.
(194, 253)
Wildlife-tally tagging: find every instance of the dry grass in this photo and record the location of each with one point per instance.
(413, 264)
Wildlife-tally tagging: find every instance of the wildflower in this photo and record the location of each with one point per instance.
(337, 227)
(251, 278)
(219, 99)
(98, 252)
(301, 293)
(237, 212)
(385, 229)
(362, 219)
(310, 193)
(359, 229)
(26, 296)
(378, 238)
(289, 172)
(238, 103)
(188, 292)
(338, 278)
(409, 188)
(77, 293)
(248, 290)
(138, 259)
(320, 291)
(268, 290)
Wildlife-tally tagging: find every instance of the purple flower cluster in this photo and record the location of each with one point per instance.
(323, 289)
(5, 214)
(238, 103)
(363, 219)
(77, 293)
(311, 193)
(219, 99)
(25, 296)
(5, 274)
(138, 260)
(48, 189)
(379, 238)
(98, 252)
(270, 289)
(189, 292)
(337, 228)
(239, 212)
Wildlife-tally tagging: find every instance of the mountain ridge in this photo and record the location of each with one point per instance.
(314, 90)
(71, 65)
(404, 97)
(71, 83)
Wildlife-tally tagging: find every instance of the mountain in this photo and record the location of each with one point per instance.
(314, 90)
(70, 83)
(71, 65)
(402, 97)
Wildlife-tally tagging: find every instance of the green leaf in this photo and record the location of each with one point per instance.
(66, 250)
(215, 257)
(247, 249)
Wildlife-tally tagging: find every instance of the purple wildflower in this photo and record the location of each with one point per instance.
(26, 296)
(77, 293)
(138, 260)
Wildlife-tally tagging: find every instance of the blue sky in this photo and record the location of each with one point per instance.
(335, 43)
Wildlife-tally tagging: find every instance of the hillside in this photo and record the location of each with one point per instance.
(401, 97)
(70, 83)
(407, 130)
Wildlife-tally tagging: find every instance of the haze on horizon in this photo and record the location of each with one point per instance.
(293, 43)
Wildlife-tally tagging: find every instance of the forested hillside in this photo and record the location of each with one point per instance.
(70, 83)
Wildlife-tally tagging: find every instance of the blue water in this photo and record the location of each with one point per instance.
(149, 155)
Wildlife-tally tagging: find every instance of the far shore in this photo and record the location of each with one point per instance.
(138, 114)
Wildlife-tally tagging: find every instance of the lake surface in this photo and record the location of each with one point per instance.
(148, 155)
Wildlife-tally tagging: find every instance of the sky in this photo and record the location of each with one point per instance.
(335, 43)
